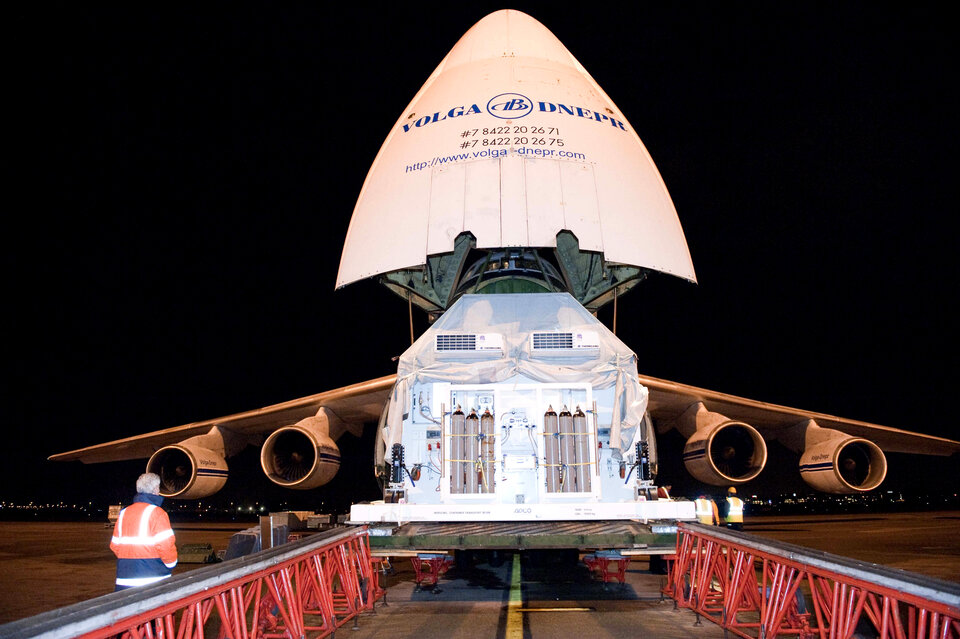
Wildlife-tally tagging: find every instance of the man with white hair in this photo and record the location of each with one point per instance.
(143, 541)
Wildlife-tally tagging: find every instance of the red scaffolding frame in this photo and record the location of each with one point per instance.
(758, 588)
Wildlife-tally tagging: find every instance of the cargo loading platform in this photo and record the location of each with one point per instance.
(628, 536)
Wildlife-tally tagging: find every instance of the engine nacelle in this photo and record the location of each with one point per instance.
(843, 465)
(722, 451)
(188, 471)
(301, 456)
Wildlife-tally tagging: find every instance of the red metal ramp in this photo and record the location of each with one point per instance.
(313, 586)
(758, 588)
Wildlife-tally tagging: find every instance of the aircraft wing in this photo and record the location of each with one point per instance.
(353, 404)
(363, 402)
(668, 400)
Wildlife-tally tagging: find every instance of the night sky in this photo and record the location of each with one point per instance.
(182, 181)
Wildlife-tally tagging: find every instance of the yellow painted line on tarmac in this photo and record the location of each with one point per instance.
(515, 606)
(556, 609)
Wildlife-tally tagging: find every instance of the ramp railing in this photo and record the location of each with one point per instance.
(758, 588)
(304, 588)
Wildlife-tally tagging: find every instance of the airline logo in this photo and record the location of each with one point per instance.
(509, 106)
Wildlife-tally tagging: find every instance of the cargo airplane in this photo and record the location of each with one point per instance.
(510, 201)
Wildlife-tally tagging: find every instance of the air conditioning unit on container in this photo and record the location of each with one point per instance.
(565, 344)
(460, 345)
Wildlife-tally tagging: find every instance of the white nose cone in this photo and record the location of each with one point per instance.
(512, 140)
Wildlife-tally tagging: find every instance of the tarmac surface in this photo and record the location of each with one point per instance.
(926, 543)
(47, 565)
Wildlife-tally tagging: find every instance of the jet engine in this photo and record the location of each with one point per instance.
(301, 456)
(843, 465)
(721, 451)
(188, 471)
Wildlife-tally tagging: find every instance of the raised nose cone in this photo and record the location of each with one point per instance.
(508, 143)
(507, 34)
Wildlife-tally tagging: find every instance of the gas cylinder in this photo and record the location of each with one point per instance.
(456, 451)
(568, 452)
(551, 449)
(487, 451)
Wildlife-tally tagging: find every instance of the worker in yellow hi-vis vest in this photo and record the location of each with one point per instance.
(707, 512)
(734, 517)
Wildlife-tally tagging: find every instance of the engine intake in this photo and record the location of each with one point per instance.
(843, 465)
(188, 471)
(302, 456)
(722, 451)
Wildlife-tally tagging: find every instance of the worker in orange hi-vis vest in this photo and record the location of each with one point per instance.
(143, 541)
(707, 512)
